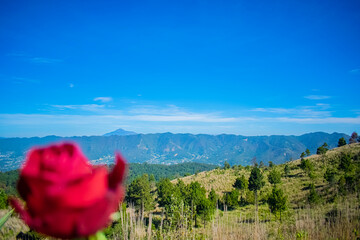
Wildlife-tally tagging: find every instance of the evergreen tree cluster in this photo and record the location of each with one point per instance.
(182, 204)
(322, 149)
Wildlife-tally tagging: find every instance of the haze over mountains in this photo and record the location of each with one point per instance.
(169, 148)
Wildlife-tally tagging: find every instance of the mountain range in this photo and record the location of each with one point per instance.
(169, 148)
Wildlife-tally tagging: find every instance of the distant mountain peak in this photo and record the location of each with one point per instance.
(120, 132)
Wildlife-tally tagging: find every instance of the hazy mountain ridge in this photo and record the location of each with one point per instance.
(168, 148)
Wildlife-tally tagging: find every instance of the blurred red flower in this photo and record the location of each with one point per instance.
(65, 195)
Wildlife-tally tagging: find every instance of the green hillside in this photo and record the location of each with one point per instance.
(330, 212)
(316, 197)
(221, 180)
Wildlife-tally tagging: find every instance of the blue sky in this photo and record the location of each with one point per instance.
(243, 67)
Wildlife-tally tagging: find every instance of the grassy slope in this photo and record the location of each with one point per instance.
(300, 220)
(295, 186)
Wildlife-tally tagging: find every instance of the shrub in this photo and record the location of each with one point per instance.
(306, 165)
(241, 183)
(286, 170)
(346, 163)
(313, 197)
(3, 199)
(274, 177)
(330, 175)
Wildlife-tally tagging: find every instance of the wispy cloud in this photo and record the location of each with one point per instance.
(103, 99)
(355, 71)
(205, 118)
(329, 120)
(34, 59)
(84, 107)
(48, 119)
(273, 110)
(43, 60)
(317, 97)
(319, 110)
(71, 85)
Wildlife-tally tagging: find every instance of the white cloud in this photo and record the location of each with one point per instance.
(84, 107)
(103, 99)
(317, 97)
(71, 85)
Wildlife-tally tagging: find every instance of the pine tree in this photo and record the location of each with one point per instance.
(195, 197)
(139, 194)
(342, 142)
(277, 201)
(307, 152)
(256, 182)
(231, 199)
(271, 164)
(306, 165)
(241, 183)
(323, 149)
(213, 198)
(313, 197)
(226, 165)
(286, 170)
(165, 191)
(274, 177)
(330, 176)
(204, 209)
(346, 163)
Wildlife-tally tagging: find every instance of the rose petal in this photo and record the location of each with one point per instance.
(59, 162)
(118, 173)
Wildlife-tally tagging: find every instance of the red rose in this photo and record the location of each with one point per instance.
(65, 195)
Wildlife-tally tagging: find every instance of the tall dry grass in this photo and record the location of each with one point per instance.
(340, 220)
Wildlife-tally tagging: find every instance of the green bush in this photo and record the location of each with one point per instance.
(3, 199)
(313, 196)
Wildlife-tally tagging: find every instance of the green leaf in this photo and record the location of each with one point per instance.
(98, 236)
(115, 216)
(4, 219)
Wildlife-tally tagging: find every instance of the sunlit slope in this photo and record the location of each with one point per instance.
(295, 185)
